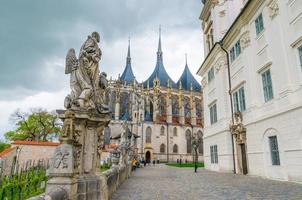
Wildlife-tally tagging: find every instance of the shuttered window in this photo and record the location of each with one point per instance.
(267, 85)
(239, 100)
(259, 24)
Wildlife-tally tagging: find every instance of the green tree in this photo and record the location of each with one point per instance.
(36, 125)
(3, 146)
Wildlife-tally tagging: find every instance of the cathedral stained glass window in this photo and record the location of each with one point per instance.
(148, 135)
(125, 106)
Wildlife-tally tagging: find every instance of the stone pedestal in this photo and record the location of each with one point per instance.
(77, 159)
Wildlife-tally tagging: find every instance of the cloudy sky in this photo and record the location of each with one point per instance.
(36, 35)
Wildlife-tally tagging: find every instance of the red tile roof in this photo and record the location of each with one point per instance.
(20, 142)
(6, 151)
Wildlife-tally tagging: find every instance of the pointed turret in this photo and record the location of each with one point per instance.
(188, 81)
(128, 76)
(160, 72)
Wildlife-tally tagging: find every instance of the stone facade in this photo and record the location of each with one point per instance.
(265, 65)
(165, 115)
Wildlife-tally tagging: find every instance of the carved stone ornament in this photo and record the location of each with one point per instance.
(63, 160)
(273, 9)
(220, 63)
(87, 84)
(204, 82)
(238, 129)
(245, 39)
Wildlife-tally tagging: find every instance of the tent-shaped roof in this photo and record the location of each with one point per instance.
(187, 79)
(128, 75)
(160, 71)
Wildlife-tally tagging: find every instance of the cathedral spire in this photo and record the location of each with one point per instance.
(128, 76)
(159, 50)
(128, 54)
(186, 59)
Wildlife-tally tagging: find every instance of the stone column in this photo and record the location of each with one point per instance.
(77, 159)
(117, 108)
(169, 109)
(155, 108)
(181, 108)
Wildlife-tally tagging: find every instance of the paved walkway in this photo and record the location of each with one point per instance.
(169, 183)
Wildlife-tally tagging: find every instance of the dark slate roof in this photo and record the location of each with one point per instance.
(160, 71)
(187, 78)
(128, 75)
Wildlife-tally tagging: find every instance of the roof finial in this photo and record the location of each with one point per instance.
(186, 55)
(128, 54)
(159, 50)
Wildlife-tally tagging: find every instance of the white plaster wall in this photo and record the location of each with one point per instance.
(275, 48)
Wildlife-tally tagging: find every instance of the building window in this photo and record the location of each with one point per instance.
(175, 131)
(239, 100)
(162, 148)
(162, 130)
(213, 114)
(235, 51)
(300, 55)
(267, 85)
(214, 154)
(148, 135)
(211, 74)
(259, 24)
(189, 139)
(175, 148)
(274, 150)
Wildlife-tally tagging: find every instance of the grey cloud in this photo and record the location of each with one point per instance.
(34, 33)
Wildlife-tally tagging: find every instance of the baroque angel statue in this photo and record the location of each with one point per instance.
(87, 84)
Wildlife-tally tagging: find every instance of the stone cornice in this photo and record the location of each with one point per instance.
(205, 10)
(209, 59)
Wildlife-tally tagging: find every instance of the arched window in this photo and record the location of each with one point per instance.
(175, 106)
(148, 135)
(125, 107)
(175, 148)
(162, 148)
(162, 130)
(174, 131)
(200, 147)
(189, 138)
(162, 105)
(187, 107)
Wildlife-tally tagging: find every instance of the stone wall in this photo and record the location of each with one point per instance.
(113, 178)
(6, 159)
(110, 181)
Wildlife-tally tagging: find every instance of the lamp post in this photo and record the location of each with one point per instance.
(195, 144)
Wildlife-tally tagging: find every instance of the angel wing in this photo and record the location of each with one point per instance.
(71, 61)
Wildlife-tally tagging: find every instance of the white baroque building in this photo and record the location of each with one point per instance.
(163, 114)
(253, 68)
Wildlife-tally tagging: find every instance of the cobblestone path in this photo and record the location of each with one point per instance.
(169, 183)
